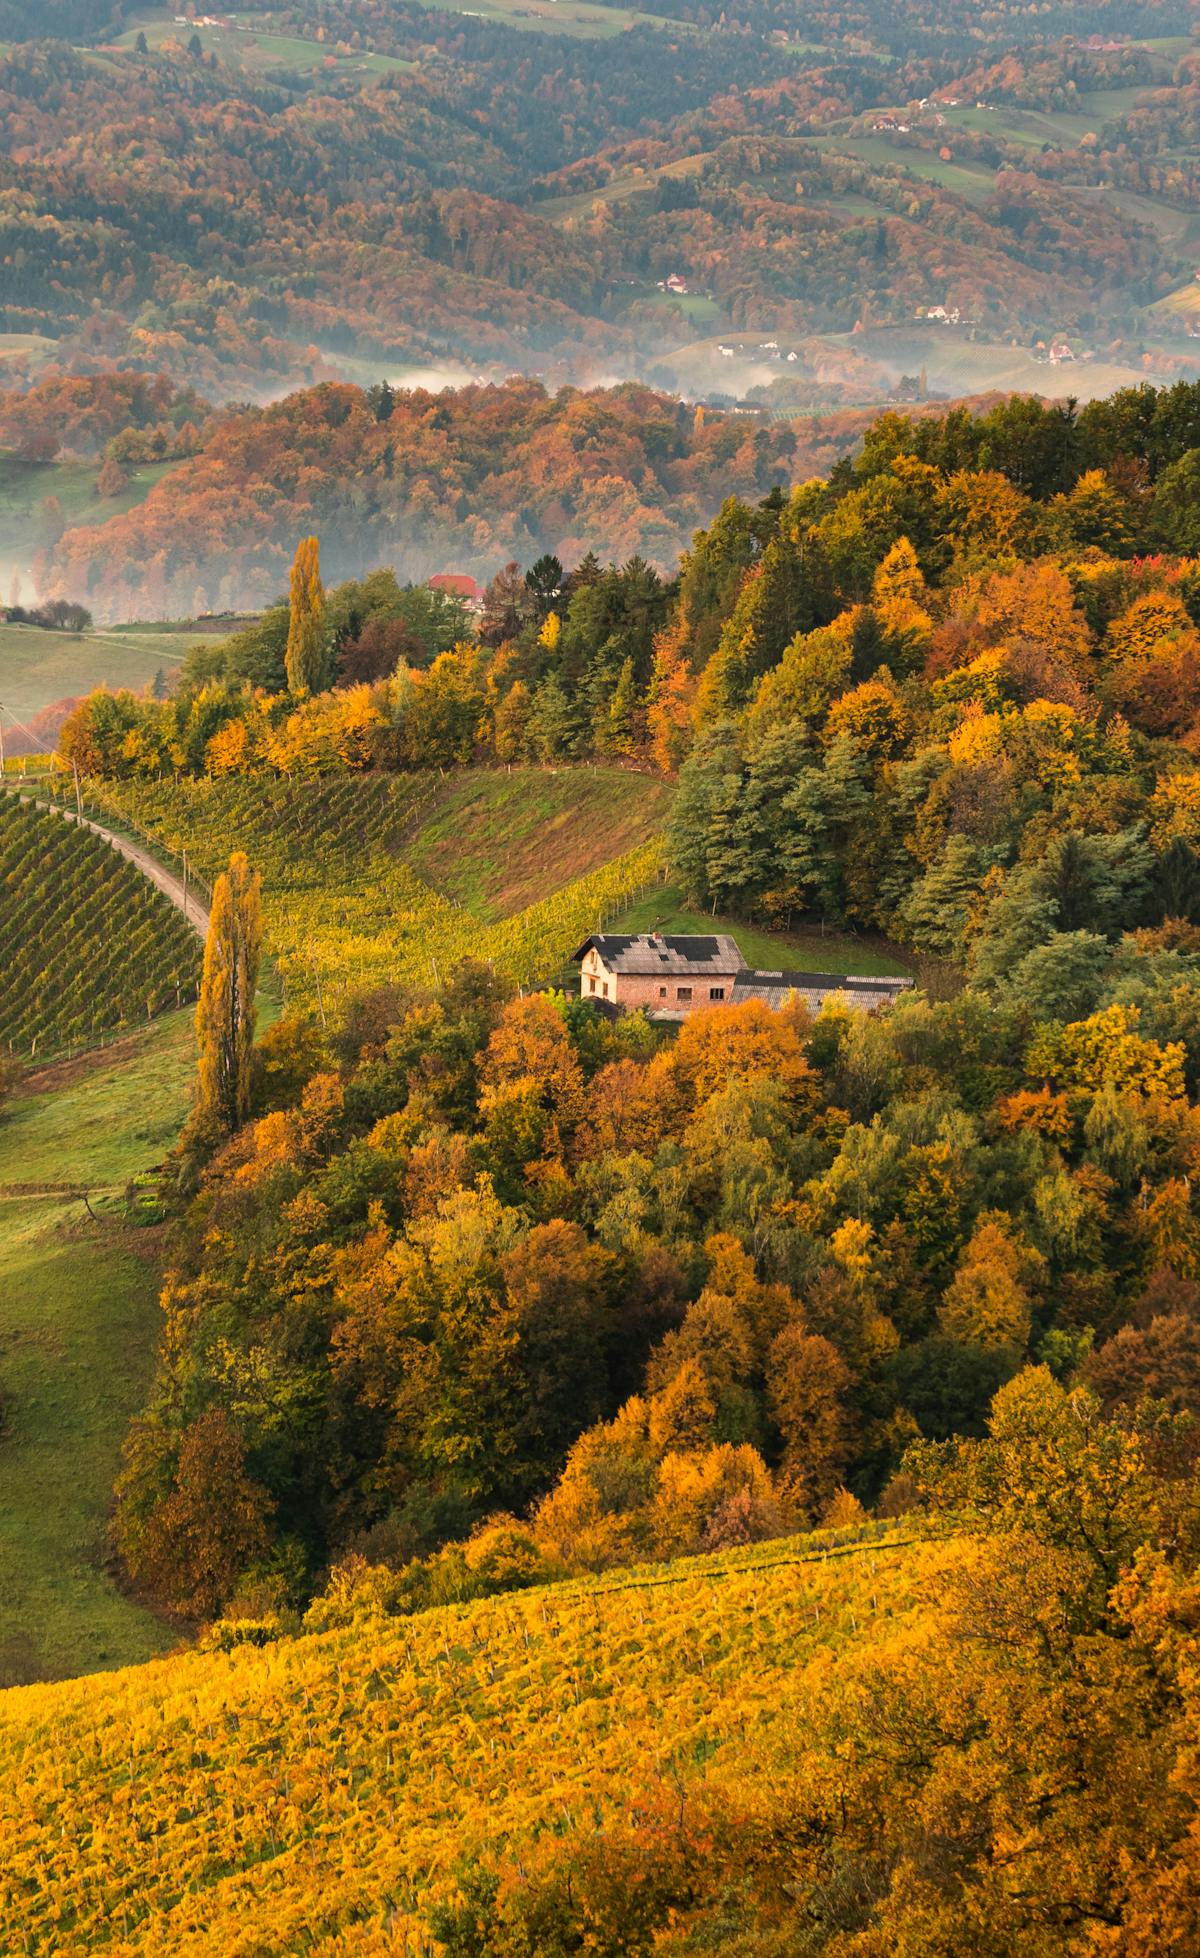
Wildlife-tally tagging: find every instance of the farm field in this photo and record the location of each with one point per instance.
(663, 909)
(344, 904)
(79, 1320)
(90, 947)
(205, 1802)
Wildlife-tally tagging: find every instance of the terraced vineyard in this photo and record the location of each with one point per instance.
(344, 905)
(89, 945)
(319, 1794)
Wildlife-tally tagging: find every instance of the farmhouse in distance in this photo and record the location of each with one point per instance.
(672, 977)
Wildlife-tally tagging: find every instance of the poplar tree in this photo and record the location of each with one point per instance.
(225, 1014)
(305, 657)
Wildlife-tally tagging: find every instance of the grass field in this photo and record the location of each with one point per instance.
(254, 47)
(496, 842)
(78, 1324)
(319, 1793)
(1184, 304)
(26, 346)
(622, 183)
(663, 909)
(39, 667)
(25, 487)
(573, 17)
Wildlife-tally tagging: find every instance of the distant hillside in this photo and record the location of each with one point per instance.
(423, 482)
(321, 1794)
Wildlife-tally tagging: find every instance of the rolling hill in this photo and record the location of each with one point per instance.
(369, 879)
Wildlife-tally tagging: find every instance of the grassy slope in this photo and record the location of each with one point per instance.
(24, 486)
(814, 950)
(315, 1794)
(39, 667)
(497, 842)
(78, 1322)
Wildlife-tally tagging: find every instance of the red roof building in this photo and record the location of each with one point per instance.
(457, 582)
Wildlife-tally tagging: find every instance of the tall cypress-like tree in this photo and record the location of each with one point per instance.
(225, 1014)
(306, 650)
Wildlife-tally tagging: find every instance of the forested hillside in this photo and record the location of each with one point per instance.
(943, 694)
(319, 191)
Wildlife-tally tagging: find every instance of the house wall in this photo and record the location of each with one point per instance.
(629, 991)
(595, 979)
(634, 991)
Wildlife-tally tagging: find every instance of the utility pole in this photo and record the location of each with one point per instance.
(78, 797)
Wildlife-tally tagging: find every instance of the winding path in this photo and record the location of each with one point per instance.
(187, 900)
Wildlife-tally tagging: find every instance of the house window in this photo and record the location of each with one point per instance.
(662, 992)
(683, 992)
(716, 992)
(604, 989)
(592, 982)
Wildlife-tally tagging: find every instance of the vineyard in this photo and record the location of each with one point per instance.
(319, 1794)
(344, 906)
(89, 945)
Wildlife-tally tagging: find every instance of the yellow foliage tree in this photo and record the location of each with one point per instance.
(988, 1302)
(1106, 1050)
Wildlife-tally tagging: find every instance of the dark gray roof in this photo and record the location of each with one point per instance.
(648, 953)
(861, 989)
(829, 981)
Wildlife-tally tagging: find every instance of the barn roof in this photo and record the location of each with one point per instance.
(861, 989)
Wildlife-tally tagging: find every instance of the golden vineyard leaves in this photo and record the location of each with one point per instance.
(317, 1794)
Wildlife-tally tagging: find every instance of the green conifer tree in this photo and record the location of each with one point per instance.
(225, 1014)
(306, 649)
